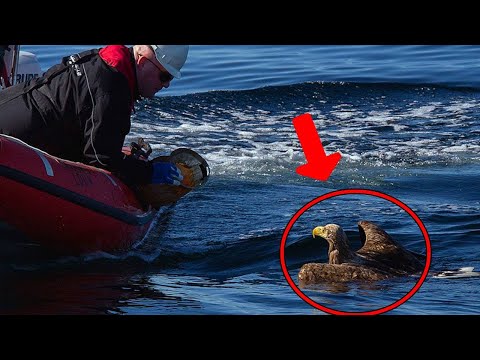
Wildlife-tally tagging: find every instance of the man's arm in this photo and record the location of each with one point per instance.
(104, 138)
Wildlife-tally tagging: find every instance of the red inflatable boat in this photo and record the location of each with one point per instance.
(67, 206)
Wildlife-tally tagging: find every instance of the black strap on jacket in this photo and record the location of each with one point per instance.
(67, 61)
(72, 60)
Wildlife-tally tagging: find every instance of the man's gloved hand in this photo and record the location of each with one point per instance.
(166, 173)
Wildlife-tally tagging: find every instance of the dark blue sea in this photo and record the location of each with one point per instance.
(405, 120)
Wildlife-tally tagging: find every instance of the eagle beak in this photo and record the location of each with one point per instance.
(318, 231)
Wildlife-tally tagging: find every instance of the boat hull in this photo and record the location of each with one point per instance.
(66, 206)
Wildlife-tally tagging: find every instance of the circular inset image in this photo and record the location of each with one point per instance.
(355, 252)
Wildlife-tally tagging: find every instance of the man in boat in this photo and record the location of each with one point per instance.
(80, 109)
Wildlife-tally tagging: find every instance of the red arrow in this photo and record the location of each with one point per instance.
(319, 166)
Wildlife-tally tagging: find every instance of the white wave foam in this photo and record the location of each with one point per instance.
(461, 106)
(461, 148)
(422, 111)
(464, 272)
(382, 133)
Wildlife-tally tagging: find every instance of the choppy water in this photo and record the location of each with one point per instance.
(404, 118)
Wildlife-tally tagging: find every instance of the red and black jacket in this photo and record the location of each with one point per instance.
(80, 110)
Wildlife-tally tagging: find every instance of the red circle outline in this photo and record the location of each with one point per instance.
(361, 192)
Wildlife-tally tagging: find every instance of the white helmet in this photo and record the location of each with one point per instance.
(172, 57)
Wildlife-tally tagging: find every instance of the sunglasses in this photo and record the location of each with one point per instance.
(164, 76)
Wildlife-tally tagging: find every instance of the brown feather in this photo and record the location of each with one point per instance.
(379, 258)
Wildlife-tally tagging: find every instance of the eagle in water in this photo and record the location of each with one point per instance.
(380, 257)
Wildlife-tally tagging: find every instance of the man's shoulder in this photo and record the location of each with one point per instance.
(115, 55)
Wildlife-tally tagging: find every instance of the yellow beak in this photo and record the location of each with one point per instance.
(318, 231)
